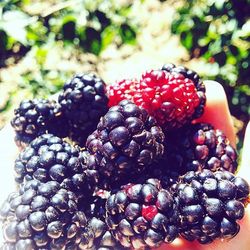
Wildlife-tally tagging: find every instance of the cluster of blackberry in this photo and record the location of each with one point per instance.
(75, 114)
(139, 173)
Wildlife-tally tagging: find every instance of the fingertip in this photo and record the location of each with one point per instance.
(245, 159)
(216, 110)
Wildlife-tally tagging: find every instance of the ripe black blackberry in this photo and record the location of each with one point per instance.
(210, 204)
(142, 215)
(47, 158)
(83, 102)
(192, 75)
(126, 141)
(96, 234)
(36, 117)
(196, 147)
(42, 216)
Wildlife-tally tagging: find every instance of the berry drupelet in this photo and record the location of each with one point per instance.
(121, 90)
(35, 117)
(47, 158)
(126, 141)
(83, 102)
(96, 235)
(142, 215)
(42, 216)
(210, 204)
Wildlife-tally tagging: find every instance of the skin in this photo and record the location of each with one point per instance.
(217, 113)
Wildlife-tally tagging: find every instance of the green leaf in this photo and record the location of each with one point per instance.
(108, 36)
(14, 23)
(90, 40)
(3, 41)
(127, 34)
(187, 40)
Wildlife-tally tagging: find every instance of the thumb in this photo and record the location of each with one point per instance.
(244, 170)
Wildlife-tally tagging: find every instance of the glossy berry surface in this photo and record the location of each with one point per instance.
(47, 158)
(211, 203)
(196, 147)
(35, 117)
(121, 90)
(142, 215)
(83, 102)
(126, 141)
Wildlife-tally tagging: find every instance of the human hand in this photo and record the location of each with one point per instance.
(217, 113)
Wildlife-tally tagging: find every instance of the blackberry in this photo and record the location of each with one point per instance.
(199, 146)
(42, 216)
(120, 90)
(126, 141)
(35, 117)
(174, 96)
(210, 203)
(193, 148)
(142, 215)
(83, 102)
(96, 234)
(47, 158)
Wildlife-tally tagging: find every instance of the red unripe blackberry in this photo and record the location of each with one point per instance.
(174, 96)
(120, 90)
(126, 141)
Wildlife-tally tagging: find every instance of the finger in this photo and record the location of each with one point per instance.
(8, 154)
(178, 244)
(245, 160)
(217, 111)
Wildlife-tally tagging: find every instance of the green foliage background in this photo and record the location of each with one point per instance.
(215, 33)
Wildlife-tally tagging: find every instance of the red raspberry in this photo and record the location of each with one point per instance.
(173, 98)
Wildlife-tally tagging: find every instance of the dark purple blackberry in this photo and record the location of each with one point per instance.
(142, 215)
(126, 141)
(192, 75)
(47, 158)
(96, 234)
(197, 147)
(83, 102)
(42, 216)
(210, 204)
(36, 117)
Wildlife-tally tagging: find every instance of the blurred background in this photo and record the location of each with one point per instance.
(44, 43)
